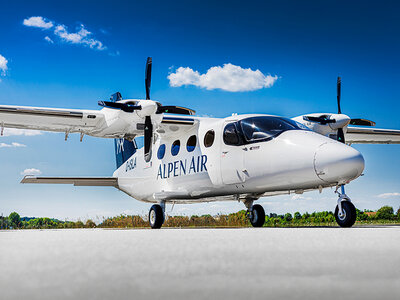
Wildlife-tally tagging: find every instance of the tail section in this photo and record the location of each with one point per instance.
(124, 149)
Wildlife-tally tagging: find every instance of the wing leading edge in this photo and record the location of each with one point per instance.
(50, 119)
(361, 135)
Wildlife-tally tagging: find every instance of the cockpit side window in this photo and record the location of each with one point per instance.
(231, 136)
(265, 127)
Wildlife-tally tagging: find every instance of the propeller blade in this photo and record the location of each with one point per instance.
(148, 136)
(147, 79)
(175, 110)
(126, 107)
(116, 97)
(362, 122)
(340, 136)
(323, 120)
(339, 84)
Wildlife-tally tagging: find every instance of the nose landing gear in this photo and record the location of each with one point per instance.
(156, 215)
(255, 213)
(345, 212)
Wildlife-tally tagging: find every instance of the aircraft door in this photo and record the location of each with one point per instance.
(232, 156)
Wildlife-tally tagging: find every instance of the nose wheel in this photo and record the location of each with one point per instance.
(345, 212)
(156, 216)
(255, 213)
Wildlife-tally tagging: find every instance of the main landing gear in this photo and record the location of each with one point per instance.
(156, 215)
(345, 212)
(255, 213)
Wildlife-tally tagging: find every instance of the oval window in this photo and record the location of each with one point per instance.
(209, 138)
(161, 151)
(191, 143)
(175, 147)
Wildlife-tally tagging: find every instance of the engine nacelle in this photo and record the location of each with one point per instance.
(324, 123)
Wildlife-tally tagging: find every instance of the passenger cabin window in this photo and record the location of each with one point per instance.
(161, 151)
(191, 143)
(175, 147)
(209, 138)
(231, 136)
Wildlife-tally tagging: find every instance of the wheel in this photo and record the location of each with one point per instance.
(156, 216)
(349, 214)
(257, 216)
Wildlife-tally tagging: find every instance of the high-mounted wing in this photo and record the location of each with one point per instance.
(361, 135)
(76, 181)
(51, 119)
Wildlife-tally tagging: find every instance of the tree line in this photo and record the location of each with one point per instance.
(384, 215)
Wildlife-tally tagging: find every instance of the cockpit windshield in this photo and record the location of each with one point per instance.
(266, 127)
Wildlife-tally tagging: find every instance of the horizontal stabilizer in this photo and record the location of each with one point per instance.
(76, 181)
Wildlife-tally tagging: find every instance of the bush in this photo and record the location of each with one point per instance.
(385, 213)
(14, 220)
(288, 217)
(361, 216)
(90, 224)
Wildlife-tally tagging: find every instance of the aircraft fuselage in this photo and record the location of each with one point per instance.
(221, 166)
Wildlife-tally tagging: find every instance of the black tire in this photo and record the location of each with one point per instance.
(349, 217)
(257, 216)
(156, 216)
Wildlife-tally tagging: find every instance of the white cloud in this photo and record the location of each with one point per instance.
(300, 197)
(25, 132)
(82, 36)
(38, 22)
(228, 78)
(32, 171)
(46, 38)
(388, 195)
(12, 145)
(3, 65)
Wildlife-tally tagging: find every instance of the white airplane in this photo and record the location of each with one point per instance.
(189, 159)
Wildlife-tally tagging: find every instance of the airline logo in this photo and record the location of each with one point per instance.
(120, 146)
(182, 167)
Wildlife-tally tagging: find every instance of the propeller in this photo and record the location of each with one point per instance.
(339, 120)
(323, 120)
(126, 107)
(131, 106)
(148, 136)
(340, 133)
(148, 125)
(116, 97)
(147, 77)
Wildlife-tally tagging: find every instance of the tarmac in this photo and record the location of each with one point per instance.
(245, 263)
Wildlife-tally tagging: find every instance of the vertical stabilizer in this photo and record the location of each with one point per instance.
(124, 149)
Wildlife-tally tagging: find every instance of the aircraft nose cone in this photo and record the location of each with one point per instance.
(337, 163)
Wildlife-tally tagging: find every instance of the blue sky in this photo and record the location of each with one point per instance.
(305, 44)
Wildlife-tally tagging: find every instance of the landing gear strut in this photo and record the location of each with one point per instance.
(345, 212)
(156, 215)
(256, 213)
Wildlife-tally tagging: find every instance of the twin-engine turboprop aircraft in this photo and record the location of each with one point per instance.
(189, 159)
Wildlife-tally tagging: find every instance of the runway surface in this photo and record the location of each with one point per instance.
(250, 263)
